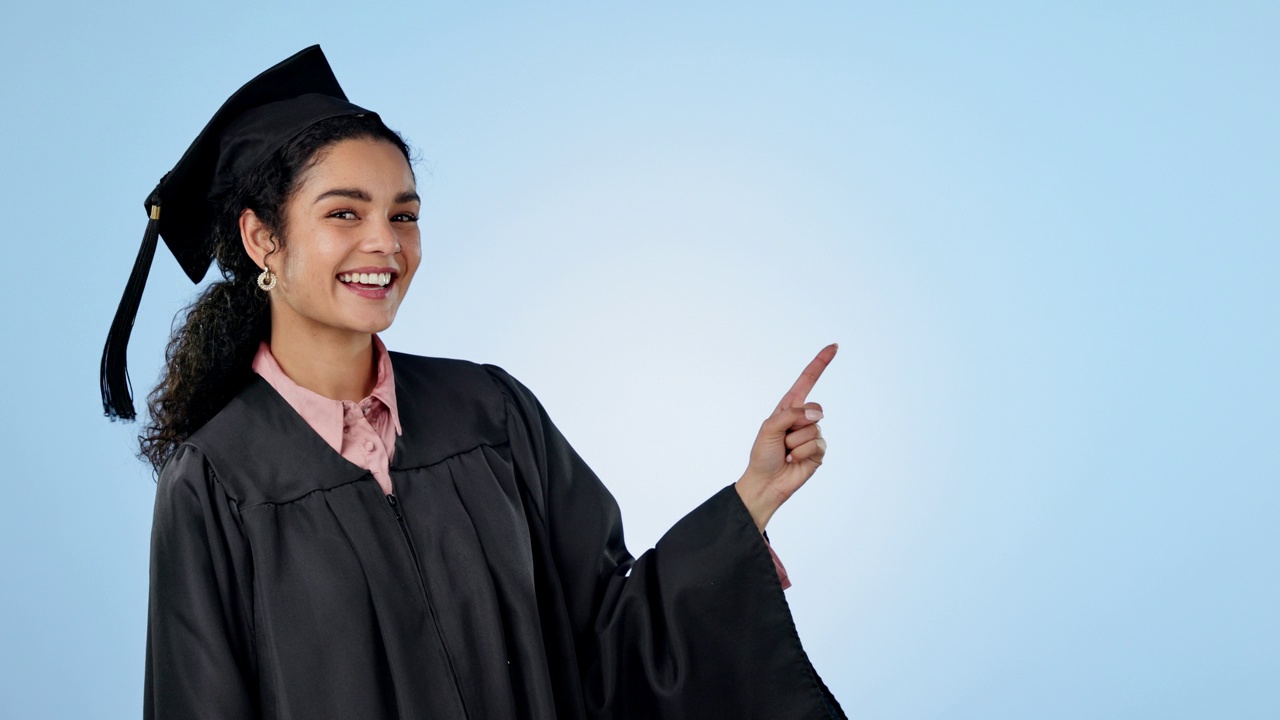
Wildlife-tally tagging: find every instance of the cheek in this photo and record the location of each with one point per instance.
(412, 254)
(413, 262)
(294, 272)
(304, 275)
(314, 256)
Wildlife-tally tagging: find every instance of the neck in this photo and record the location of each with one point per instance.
(339, 366)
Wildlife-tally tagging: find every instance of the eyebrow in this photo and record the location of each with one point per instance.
(361, 195)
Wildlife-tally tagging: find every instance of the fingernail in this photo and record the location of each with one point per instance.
(788, 457)
(814, 415)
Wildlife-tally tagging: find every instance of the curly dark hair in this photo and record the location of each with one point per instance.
(208, 358)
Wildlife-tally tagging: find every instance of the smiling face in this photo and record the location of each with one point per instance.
(352, 243)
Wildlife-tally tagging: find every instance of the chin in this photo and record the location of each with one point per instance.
(373, 325)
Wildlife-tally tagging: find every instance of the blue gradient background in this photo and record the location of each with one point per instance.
(1045, 237)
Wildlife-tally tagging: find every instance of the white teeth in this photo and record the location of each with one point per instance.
(382, 279)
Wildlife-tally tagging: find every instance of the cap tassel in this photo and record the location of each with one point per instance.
(117, 391)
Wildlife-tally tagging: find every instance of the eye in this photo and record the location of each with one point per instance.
(405, 217)
(342, 215)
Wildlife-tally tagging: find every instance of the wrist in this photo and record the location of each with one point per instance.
(756, 502)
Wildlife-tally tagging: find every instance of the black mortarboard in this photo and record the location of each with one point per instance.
(269, 111)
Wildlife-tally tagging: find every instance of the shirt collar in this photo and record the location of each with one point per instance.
(385, 387)
(325, 415)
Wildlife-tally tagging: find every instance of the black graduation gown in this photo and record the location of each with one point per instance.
(285, 584)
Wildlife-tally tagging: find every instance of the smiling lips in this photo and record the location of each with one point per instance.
(374, 285)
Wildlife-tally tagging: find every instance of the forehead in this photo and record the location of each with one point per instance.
(364, 163)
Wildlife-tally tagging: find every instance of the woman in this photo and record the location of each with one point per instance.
(347, 532)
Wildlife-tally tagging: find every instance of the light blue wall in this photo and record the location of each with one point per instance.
(1045, 237)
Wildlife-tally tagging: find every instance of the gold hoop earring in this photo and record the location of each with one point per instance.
(267, 280)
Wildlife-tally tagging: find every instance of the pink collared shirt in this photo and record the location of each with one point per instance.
(365, 432)
(362, 432)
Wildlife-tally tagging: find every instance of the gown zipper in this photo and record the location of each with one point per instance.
(394, 502)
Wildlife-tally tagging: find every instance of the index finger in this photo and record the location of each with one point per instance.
(800, 390)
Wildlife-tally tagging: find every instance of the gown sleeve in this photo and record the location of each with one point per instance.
(199, 636)
(697, 627)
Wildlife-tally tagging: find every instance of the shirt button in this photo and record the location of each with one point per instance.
(368, 445)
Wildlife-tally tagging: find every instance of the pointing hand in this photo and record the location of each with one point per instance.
(789, 447)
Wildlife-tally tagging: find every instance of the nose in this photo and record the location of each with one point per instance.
(382, 238)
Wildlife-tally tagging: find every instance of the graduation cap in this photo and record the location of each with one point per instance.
(269, 111)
